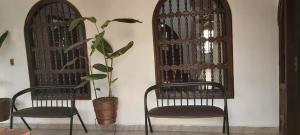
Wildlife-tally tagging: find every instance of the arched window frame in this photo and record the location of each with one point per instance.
(83, 93)
(228, 39)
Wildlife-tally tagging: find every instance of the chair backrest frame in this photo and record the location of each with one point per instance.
(189, 94)
(53, 96)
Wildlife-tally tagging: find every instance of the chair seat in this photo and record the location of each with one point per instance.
(186, 112)
(45, 112)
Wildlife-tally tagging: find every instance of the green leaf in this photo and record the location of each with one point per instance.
(94, 77)
(93, 48)
(127, 20)
(3, 37)
(82, 84)
(91, 19)
(114, 80)
(100, 35)
(102, 68)
(107, 46)
(80, 20)
(76, 45)
(123, 20)
(96, 42)
(105, 24)
(68, 64)
(75, 23)
(99, 43)
(122, 50)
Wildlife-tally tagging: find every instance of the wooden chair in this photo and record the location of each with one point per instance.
(187, 100)
(47, 102)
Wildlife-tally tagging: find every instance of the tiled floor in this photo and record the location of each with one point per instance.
(94, 132)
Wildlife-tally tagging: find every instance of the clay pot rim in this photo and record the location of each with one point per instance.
(5, 99)
(106, 99)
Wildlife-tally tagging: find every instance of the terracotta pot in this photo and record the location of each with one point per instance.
(4, 108)
(106, 110)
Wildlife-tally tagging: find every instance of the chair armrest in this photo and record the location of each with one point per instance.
(154, 87)
(20, 93)
(13, 106)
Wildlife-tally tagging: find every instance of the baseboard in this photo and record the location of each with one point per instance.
(247, 130)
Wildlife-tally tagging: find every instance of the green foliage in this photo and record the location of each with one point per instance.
(82, 84)
(78, 44)
(94, 77)
(114, 80)
(105, 24)
(122, 50)
(102, 68)
(102, 46)
(127, 20)
(3, 37)
(79, 21)
(122, 20)
(91, 19)
(69, 64)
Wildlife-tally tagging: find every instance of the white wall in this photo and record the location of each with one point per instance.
(255, 59)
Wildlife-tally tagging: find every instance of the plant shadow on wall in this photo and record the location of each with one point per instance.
(4, 102)
(105, 107)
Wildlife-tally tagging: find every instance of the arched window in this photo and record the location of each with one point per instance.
(47, 34)
(193, 42)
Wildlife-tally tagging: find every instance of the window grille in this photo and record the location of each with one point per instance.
(193, 42)
(47, 34)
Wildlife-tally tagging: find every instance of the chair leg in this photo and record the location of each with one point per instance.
(81, 121)
(227, 124)
(71, 125)
(224, 120)
(11, 121)
(146, 125)
(29, 128)
(150, 125)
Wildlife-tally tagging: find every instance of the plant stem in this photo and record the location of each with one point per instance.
(97, 28)
(111, 65)
(91, 71)
(108, 75)
(106, 64)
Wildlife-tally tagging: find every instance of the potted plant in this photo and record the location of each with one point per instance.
(105, 107)
(4, 102)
